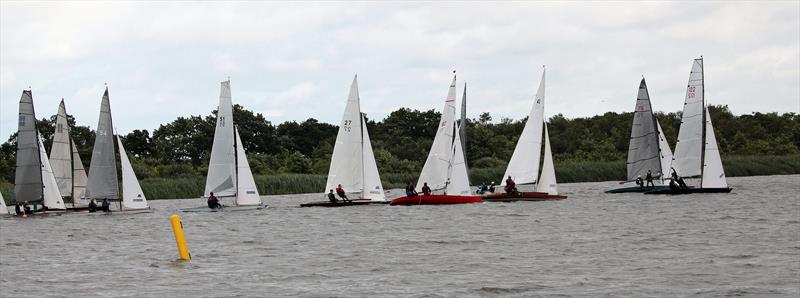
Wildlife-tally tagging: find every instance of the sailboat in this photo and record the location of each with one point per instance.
(353, 162)
(648, 148)
(67, 166)
(229, 174)
(34, 182)
(445, 170)
(696, 153)
(102, 183)
(523, 167)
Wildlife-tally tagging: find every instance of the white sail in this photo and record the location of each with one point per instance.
(246, 192)
(688, 150)
(79, 178)
(435, 170)
(665, 153)
(713, 173)
(61, 152)
(547, 182)
(458, 177)
(3, 208)
(524, 164)
(373, 188)
(132, 194)
(346, 162)
(52, 198)
(221, 178)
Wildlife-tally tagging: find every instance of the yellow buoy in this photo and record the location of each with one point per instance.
(180, 238)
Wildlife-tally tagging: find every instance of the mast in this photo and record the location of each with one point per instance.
(703, 131)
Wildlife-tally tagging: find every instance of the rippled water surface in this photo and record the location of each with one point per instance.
(746, 243)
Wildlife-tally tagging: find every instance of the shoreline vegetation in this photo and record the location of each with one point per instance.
(293, 157)
(566, 172)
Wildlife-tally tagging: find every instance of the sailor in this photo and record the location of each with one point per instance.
(332, 197)
(672, 185)
(410, 191)
(27, 207)
(482, 188)
(18, 208)
(426, 190)
(649, 178)
(639, 181)
(342, 194)
(213, 201)
(92, 206)
(681, 183)
(491, 187)
(511, 187)
(106, 206)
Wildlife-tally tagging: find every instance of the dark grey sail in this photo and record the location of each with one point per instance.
(102, 182)
(643, 153)
(28, 179)
(462, 130)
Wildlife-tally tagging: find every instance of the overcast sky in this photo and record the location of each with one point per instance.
(293, 61)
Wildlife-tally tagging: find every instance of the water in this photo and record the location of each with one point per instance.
(746, 243)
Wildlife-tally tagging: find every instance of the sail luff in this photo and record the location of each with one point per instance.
(132, 194)
(434, 172)
(346, 166)
(103, 182)
(221, 178)
(28, 176)
(687, 160)
(524, 164)
(61, 152)
(643, 154)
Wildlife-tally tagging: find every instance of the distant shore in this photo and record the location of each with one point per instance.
(566, 172)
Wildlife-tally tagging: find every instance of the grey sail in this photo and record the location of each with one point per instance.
(78, 175)
(462, 124)
(28, 179)
(643, 153)
(103, 182)
(61, 153)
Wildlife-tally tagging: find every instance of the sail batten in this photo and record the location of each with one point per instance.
(103, 182)
(524, 164)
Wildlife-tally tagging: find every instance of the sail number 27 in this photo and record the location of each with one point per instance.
(346, 125)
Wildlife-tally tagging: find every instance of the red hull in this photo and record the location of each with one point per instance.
(435, 200)
(522, 196)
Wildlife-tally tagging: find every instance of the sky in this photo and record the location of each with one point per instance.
(295, 60)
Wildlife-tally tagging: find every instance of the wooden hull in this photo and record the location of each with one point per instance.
(435, 200)
(224, 209)
(531, 196)
(681, 191)
(637, 189)
(343, 204)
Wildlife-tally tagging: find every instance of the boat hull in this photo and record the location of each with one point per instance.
(435, 200)
(224, 209)
(343, 203)
(681, 191)
(637, 189)
(530, 196)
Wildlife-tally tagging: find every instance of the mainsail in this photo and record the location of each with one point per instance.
(347, 166)
(524, 164)
(28, 176)
(435, 170)
(61, 152)
(643, 153)
(246, 191)
(221, 178)
(52, 198)
(547, 182)
(132, 194)
(713, 173)
(689, 149)
(103, 182)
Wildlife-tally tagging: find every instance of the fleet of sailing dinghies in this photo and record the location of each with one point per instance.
(648, 151)
(445, 170)
(696, 153)
(353, 163)
(102, 183)
(523, 167)
(67, 166)
(229, 174)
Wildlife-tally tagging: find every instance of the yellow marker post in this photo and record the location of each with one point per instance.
(180, 238)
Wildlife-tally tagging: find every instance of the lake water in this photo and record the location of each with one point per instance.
(746, 243)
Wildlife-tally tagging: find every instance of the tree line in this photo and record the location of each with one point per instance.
(401, 141)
